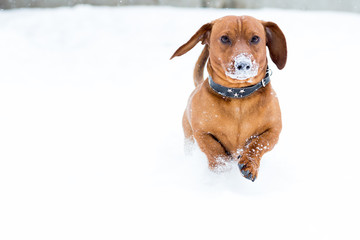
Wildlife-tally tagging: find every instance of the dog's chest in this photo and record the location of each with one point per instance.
(234, 120)
(231, 122)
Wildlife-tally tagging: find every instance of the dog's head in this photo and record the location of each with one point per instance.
(237, 48)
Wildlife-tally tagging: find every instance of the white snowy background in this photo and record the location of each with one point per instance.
(91, 142)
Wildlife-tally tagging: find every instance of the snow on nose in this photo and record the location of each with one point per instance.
(242, 67)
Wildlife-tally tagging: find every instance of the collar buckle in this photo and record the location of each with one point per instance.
(263, 82)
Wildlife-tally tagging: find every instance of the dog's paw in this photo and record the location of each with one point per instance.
(249, 168)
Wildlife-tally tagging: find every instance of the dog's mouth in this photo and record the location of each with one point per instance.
(242, 67)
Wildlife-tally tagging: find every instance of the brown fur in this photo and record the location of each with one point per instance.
(227, 128)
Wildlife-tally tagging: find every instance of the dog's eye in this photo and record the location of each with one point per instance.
(255, 39)
(225, 39)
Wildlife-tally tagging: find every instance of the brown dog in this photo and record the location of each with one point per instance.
(235, 114)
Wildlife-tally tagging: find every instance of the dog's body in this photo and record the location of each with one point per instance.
(228, 128)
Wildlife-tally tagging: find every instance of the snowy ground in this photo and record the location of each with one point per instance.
(91, 143)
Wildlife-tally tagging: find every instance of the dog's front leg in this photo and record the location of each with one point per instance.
(213, 149)
(256, 147)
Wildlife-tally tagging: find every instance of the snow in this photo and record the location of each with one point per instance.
(91, 143)
(243, 74)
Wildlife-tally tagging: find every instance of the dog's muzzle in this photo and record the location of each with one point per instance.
(242, 67)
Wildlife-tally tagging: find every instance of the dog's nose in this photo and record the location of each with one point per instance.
(243, 66)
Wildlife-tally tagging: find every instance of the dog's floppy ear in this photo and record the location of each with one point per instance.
(276, 42)
(202, 35)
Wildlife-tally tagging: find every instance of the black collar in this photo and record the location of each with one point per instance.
(239, 92)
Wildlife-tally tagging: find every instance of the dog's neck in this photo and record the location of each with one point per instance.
(241, 92)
